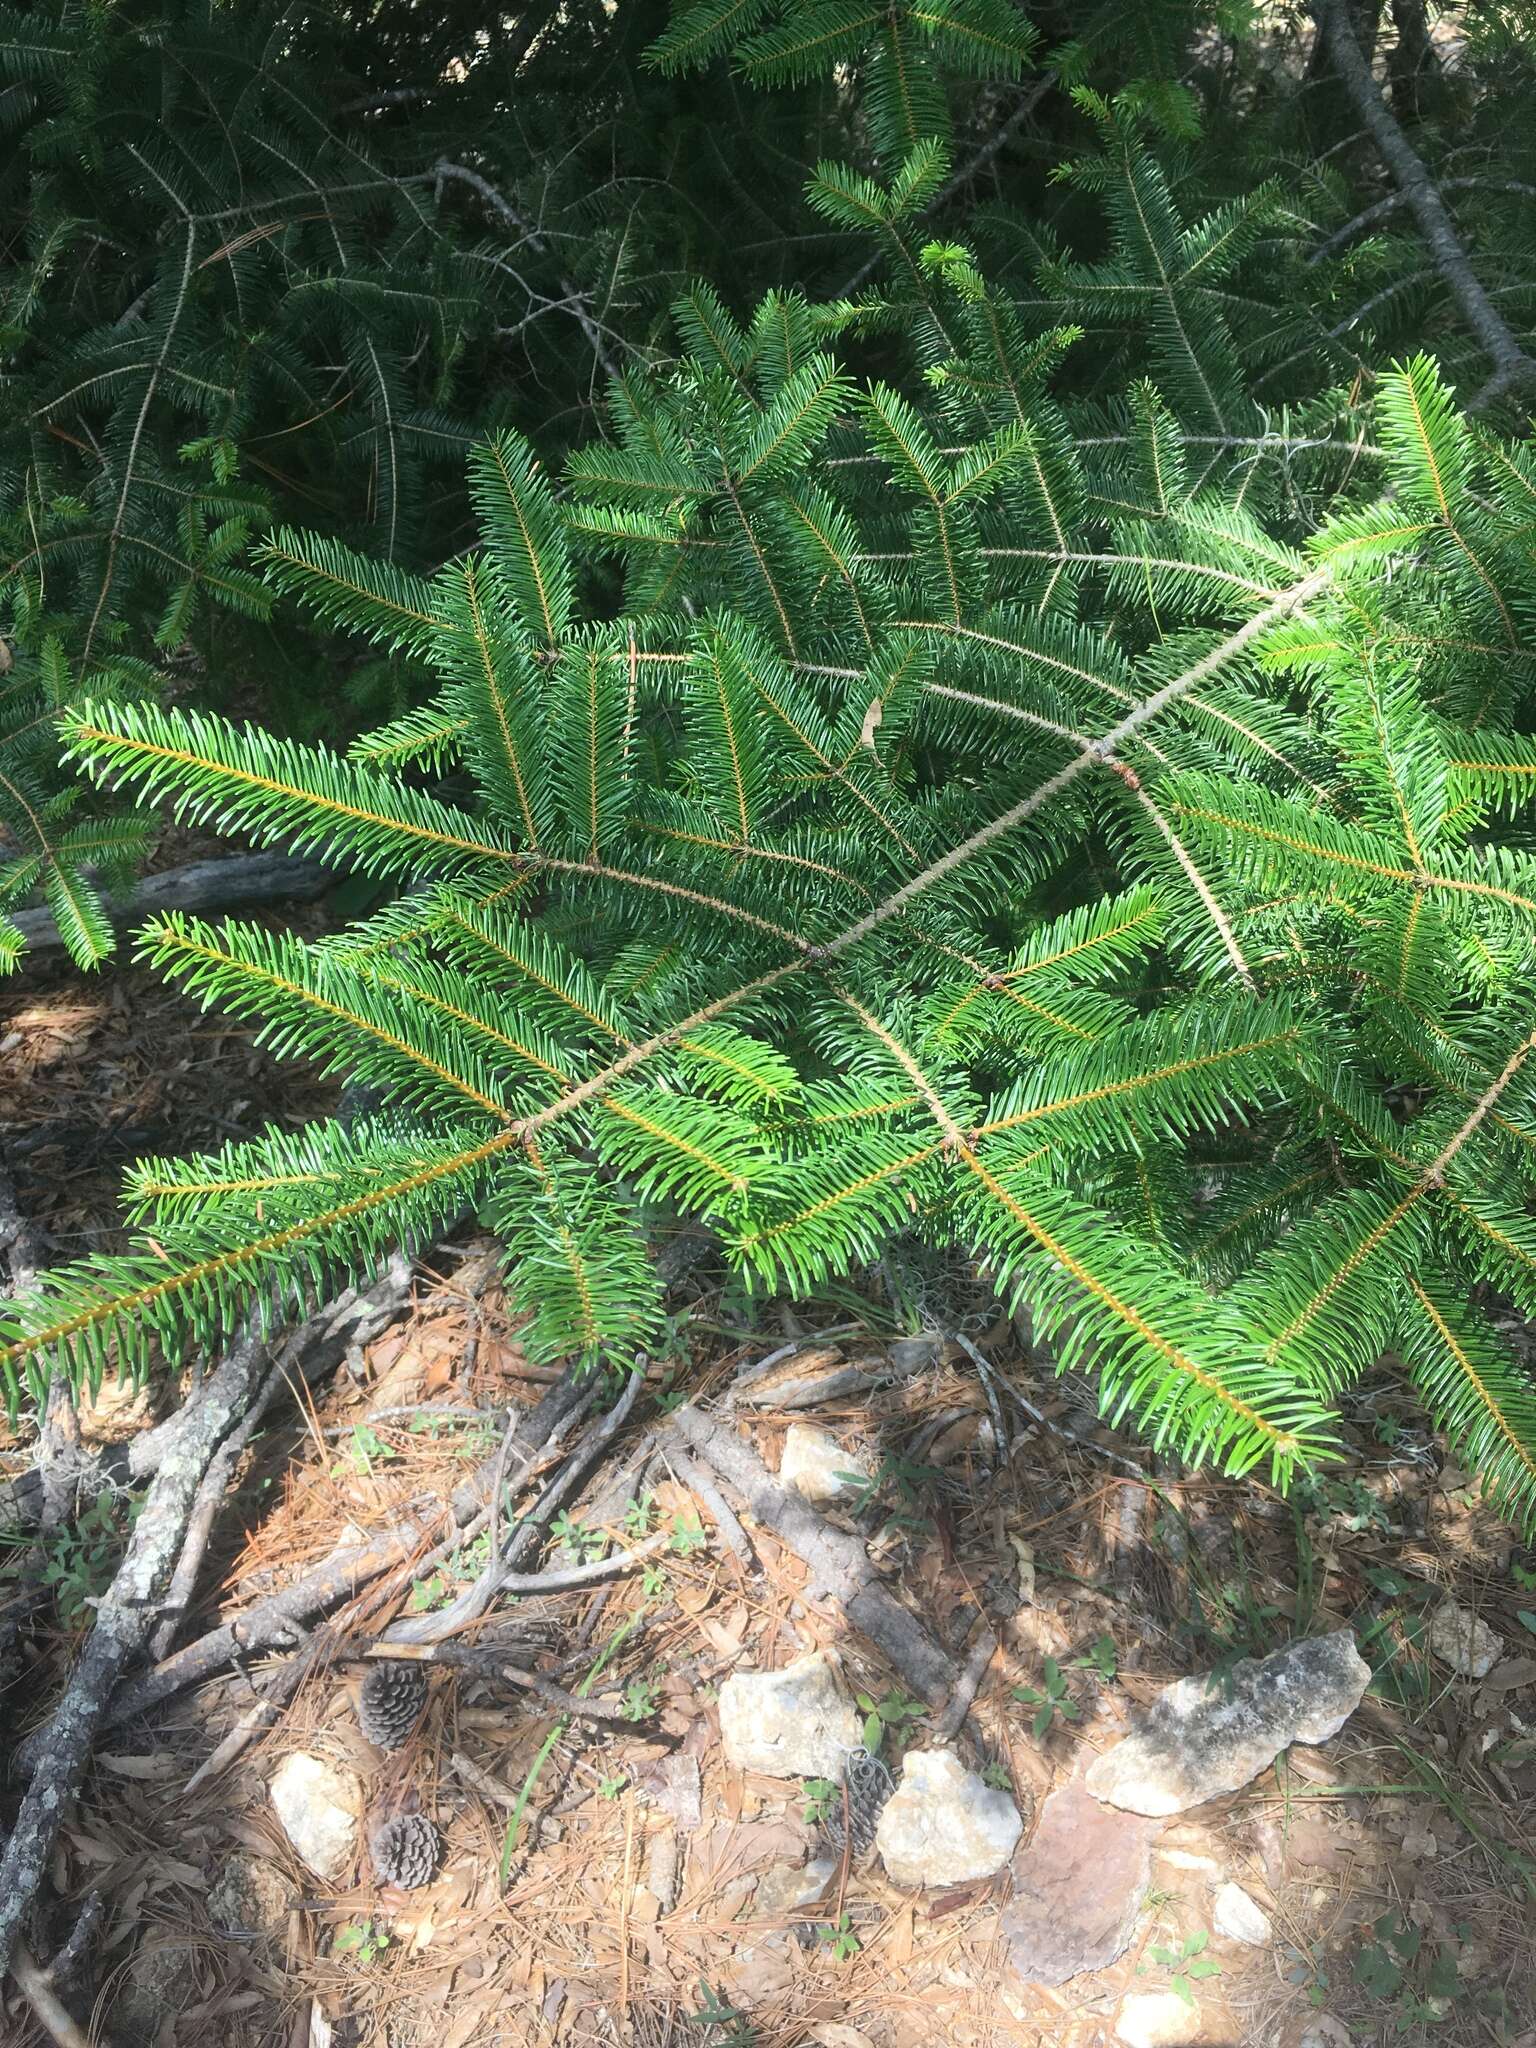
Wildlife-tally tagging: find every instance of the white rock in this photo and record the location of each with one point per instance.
(318, 1807)
(814, 1461)
(1156, 2019)
(943, 1824)
(794, 1723)
(1240, 1918)
(786, 1887)
(1325, 2032)
(1199, 1739)
(1459, 1639)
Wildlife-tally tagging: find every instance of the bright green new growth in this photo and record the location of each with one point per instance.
(1051, 832)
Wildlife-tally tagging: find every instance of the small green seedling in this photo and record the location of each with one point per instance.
(996, 1775)
(1103, 1660)
(821, 1794)
(610, 1788)
(731, 2027)
(432, 1591)
(893, 1715)
(841, 1939)
(80, 1557)
(588, 1543)
(1188, 1964)
(687, 1535)
(360, 1451)
(1048, 1704)
(362, 1939)
(640, 1698)
(637, 1517)
(653, 1581)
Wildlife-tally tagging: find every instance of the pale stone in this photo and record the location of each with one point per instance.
(1325, 2032)
(943, 1824)
(1241, 1918)
(794, 1723)
(248, 1897)
(160, 1980)
(784, 1889)
(1461, 1640)
(1156, 2019)
(1203, 1737)
(318, 1807)
(1078, 1885)
(814, 1463)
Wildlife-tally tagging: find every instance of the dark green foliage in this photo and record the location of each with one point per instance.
(1030, 750)
(1083, 868)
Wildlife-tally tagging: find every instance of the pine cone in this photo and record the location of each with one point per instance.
(391, 1702)
(406, 1851)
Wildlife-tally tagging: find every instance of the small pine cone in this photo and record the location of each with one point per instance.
(391, 1702)
(406, 1851)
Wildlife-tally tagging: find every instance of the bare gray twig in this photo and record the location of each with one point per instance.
(1513, 370)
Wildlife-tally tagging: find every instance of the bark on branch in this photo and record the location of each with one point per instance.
(1513, 370)
(241, 882)
(839, 1564)
(124, 1619)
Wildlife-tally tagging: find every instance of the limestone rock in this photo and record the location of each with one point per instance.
(1156, 2019)
(318, 1807)
(1459, 1639)
(1078, 1884)
(159, 1983)
(1241, 1918)
(943, 1824)
(794, 1723)
(814, 1461)
(1202, 1738)
(248, 1897)
(786, 1887)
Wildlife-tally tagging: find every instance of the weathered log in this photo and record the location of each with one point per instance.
(839, 1564)
(242, 881)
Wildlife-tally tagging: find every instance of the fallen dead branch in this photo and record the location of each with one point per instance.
(277, 1621)
(36, 1987)
(839, 1564)
(1513, 370)
(125, 1618)
(241, 882)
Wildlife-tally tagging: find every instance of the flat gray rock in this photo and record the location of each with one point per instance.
(1205, 1736)
(794, 1723)
(1460, 1639)
(1078, 1885)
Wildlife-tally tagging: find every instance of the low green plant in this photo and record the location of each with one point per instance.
(893, 1715)
(841, 1938)
(361, 1938)
(1053, 1700)
(687, 1535)
(360, 1450)
(575, 1535)
(728, 2023)
(1188, 1964)
(79, 1557)
(1420, 1980)
(640, 1698)
(821, 1795)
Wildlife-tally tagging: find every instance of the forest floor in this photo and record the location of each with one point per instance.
(605, 1879)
